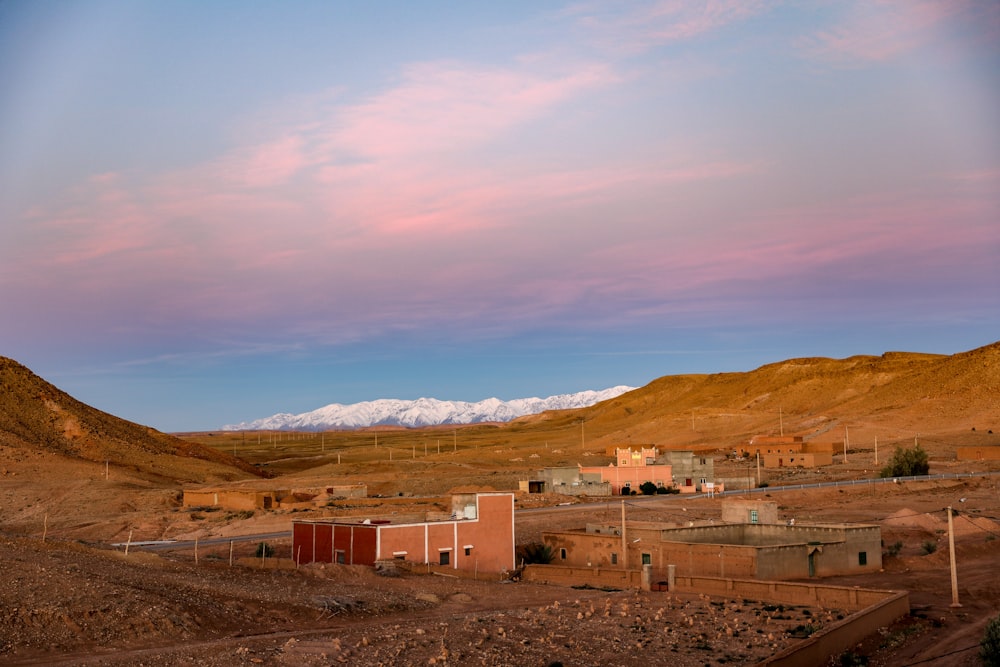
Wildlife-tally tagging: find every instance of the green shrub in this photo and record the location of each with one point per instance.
(264, 550)
(647, 488)
(989, 647)
(928, 547)
(895, 548)
(535, 553)
(907, 463)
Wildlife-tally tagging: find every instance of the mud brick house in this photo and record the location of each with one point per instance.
(746, 549)
(788, 451)
(237, 497)
(632, 467)
(479, 537)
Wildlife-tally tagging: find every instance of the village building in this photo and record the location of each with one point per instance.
(978, 453)
(757, 545)
(691, 472)
(479, 537)
(248, 497)
(776, 451)
(632, 467)
(568, 481)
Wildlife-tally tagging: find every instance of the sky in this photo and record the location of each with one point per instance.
(212, 212)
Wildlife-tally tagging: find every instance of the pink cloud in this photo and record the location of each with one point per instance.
(884, 30)
(659, 22)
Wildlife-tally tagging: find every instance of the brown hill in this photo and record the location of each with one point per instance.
(893, 397)
(38, 418)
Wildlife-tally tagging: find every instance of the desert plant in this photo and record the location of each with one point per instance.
(535, 553)
(647, 488)
(928, 547)
(907, 463)
(895, 548)
(264, 550)
(989, 647)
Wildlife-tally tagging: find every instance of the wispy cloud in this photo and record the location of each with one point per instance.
(636, 27)
(875, 32)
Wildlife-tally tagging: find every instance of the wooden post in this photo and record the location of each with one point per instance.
(196, 551)
(45, 527)
(128, 543)
(230, 553)
(951, 553)
(624, 543)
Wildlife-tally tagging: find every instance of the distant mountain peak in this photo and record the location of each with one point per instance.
(423, 412)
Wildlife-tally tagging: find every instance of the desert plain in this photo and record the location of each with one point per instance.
(75, 484)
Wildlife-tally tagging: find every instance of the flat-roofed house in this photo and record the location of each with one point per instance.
(479, 536)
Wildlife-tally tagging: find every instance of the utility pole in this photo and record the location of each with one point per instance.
(951, 554)
(876, 450)
(624, 542)
(846, 439)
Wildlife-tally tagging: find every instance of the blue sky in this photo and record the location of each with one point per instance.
(213, 212)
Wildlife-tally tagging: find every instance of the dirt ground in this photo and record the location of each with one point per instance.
(71, 601)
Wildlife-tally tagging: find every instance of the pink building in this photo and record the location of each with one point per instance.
(478, 537)
(632, 467)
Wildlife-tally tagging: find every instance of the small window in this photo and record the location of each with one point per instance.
(468, 551)
(562, 554)
(647, 559)
(614, 559)
(444, 558)
(862, 558)
(624, 462)
(753, 516)
(341, 557)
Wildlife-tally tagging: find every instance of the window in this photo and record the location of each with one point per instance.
(753, 516)
(341, 557)
(703, 462)
(647, 559)
(444, 558)
(562, 554)
(862, 558)
(468, 551)
(614, 559)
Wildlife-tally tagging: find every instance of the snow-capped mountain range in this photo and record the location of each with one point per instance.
(423, 412)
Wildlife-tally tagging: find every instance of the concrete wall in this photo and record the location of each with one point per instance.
(738, 511)
(978, 453)
(760, 551)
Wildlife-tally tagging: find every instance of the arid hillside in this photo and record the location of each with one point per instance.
(36, 416)
(64, 464)
(895, 396)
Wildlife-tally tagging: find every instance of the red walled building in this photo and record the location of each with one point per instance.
(479, 537)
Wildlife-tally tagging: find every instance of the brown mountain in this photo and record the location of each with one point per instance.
(38, 418)
(896, 396)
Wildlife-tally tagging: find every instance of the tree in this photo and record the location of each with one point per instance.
(647, 488)
(907, 463)
(989, 647)
(535, 553)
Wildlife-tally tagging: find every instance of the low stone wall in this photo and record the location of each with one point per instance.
(869, 609)
(597, 577)
(841, 636)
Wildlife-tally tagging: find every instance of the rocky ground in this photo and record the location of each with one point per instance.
(69, 602)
